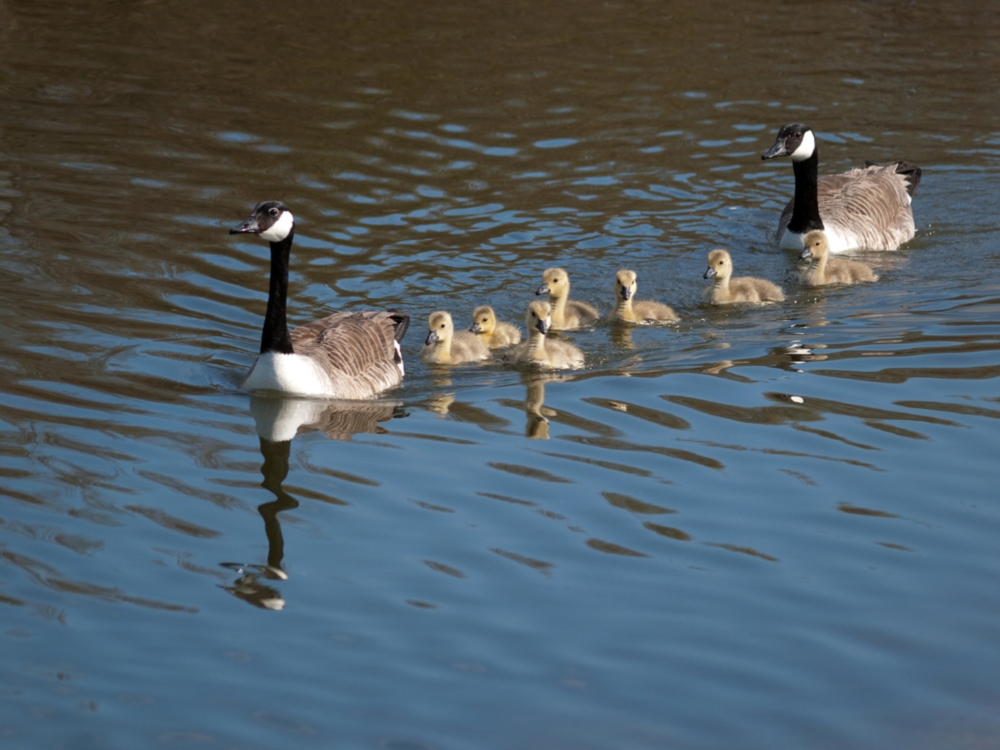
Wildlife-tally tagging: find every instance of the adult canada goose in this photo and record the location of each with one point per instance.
(631, 311)
(539, 350)
(445, 346)
(725, 289)
(826, 270)
(490, 332)
(863, 208)
(345, 355)
(566, 313)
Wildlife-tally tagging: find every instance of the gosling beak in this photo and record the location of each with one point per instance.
(778, 149)
(710, 272)
(475, 328)
(543, 289)
(543, 326)
(247, 227)
(626, 293)
(432, 337)
(807, 254)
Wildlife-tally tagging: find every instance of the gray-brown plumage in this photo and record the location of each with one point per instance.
(446, 346)
(637, 311)
(826, 270)
(725, 289)
(863, 208)
(566, 313)
(538, 349)
(492, 333)
(343, 356)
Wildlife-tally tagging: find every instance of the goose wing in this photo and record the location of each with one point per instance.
(358, 351)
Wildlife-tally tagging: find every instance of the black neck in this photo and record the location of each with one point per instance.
(275, 336)
(805, 210)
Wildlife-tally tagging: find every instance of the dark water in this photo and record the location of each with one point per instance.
(760, 528)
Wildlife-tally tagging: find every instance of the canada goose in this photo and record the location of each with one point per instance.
(566, 313)
(726, 289)
(630, 311)
(445, 346)
(826, 270)
(490, 332)
(538, 350)
(345, 355)
(863, 208)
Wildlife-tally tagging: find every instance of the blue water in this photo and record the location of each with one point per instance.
(762, 527)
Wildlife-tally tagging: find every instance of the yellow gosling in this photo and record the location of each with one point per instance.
(637, 311)
(725, 289)
(540, 350)
(826, 270)
(493, 334)
(566, 313)
(445, 346)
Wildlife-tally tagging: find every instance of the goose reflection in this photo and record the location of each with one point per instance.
(277, 421)
(537, 427)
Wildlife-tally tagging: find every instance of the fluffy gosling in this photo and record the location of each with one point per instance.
(445, 346)
(492, 333)
(539, 350)
(632, 311)
(826, 270)
(725, 289)
(566, 313)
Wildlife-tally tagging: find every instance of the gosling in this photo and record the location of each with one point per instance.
(630, 311)
(445, 346)
(566, 313)
(726, 289)
(493, 334)
(826, 270)
(540, 351)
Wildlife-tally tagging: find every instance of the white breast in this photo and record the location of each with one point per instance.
(288, 373)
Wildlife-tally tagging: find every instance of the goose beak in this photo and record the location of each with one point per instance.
(778, 149)
(543, 289)
(807, 254)
(247, 227)
(432, 337)
(710, 272)
(626, 293)
(475, 328)
(543, 326)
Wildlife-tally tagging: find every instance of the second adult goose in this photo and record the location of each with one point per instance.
(344, 355)
(863, 208)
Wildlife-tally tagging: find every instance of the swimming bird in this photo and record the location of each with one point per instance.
(631, 311)
(726, 289)
(493, 334)
(347, 355)
(826, 270)
(863, 208)
(445, 346)
(566, 313)
(539, 350)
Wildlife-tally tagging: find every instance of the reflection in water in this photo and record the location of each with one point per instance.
(277, 421)
(537, 427)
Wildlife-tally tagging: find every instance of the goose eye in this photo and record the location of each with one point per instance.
(273, 211)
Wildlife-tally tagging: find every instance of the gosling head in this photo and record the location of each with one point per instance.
(555, 283)
(625, 285)
(484, 320)
(795, 140)
(539, 317)
(720, 265)
(440, 327)
(816, 247)
(271, 220)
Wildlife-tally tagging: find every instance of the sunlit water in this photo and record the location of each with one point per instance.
(762, 527)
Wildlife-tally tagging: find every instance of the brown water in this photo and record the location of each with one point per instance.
(765, 527)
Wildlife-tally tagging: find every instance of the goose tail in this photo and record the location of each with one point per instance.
(909, 170)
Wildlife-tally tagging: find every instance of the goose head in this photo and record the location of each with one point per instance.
(271, 220)
(555, 283)
(625, 285)
(720, 265)
(440, 328)
(795, 140)
(484, 320)
(539, 317)
(816, 247)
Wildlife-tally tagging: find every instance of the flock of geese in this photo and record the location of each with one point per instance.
(356, 355)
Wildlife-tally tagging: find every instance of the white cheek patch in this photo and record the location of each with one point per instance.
(806, 149)
(280, 229)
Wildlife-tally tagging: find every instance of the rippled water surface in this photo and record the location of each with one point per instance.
(763, 527)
